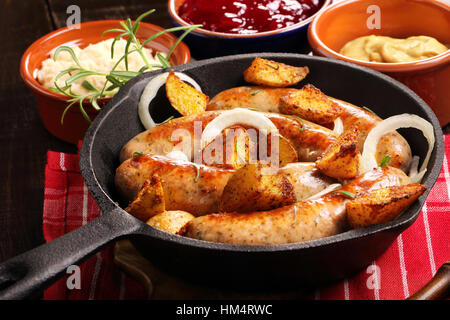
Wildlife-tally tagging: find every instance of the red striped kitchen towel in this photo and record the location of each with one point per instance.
(405, 267)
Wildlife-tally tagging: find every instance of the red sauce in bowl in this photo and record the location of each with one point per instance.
(247, 16)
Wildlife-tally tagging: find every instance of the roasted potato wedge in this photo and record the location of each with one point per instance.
(184, 98)
(341, 159)
(311, 104)
(252, 189)
(274, 74)
(235, 148)
(382, 205)
(229, 150)
(286, 151)
(170, 221)
(149, 201)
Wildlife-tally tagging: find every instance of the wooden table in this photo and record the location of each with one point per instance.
(23, 139)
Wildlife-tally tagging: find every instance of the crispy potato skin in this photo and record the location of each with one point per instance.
(170, 221)
(341, 159)
(149, 200)
(302, 221)
(285, 151)
(251, 189)
(268, 99)
(184, 98)
(269, 73)
(311, 104)
(382, 205)
(235, 147)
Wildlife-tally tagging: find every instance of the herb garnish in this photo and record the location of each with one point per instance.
(165, 121)
(237, 152)
(198, 171)
(345, 193)
(273, 67)
(255, 92)
(301, 122)
(295, 215)
(365, 108)
(137, 154)
(115, 78)
(385, 161)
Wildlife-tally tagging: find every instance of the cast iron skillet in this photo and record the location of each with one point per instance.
(298, 264)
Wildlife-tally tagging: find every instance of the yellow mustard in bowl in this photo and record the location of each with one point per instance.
(392, 50)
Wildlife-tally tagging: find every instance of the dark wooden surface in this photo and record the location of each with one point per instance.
(23, 139)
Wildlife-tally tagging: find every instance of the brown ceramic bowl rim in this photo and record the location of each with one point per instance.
(173, 13)
(30, 80)
(429, 63)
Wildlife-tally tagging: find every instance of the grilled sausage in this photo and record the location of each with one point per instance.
(306, 179)
(188, 187)
(302, 221)
(268, 99)
(198, 188)
(310, 140)
(262, 98)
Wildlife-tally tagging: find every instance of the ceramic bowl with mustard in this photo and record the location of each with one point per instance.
(407, 39)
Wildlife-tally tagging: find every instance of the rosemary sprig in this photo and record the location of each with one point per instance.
(197, 169)
(384, 161)
(302, 128)
(345, 193)
(165, 121)
(115, 79)
(137, 154)
(238, 155)
(367, 109)
(273, 67)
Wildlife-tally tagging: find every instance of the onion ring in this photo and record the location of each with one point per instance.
(338, 126)
(368, 161)
(150, 91)
(236, 116)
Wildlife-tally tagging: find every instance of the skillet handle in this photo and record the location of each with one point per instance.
(33, 271)
(438, 287)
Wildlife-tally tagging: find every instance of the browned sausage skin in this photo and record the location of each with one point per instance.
(262, 98)
(302, 221)
(201, 196)
(268, 99)
(309, 139)
(392, 144)
(188, 187)
(198, 188)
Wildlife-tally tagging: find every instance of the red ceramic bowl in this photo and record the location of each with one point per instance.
(51, 105)
(347, 20)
